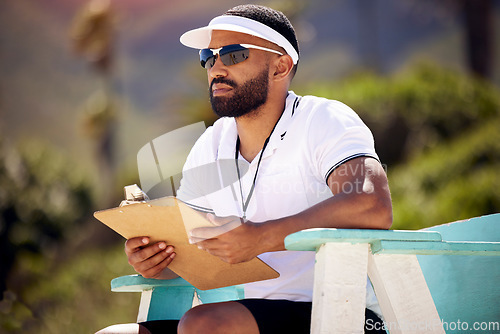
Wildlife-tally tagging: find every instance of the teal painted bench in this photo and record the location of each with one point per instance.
(155, 293)
(473, 294)
(429, 281)
(437, 280)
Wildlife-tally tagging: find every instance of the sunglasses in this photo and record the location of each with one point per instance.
(229, 54)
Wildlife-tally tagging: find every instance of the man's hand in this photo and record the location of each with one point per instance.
(233, 240)
(149, 260)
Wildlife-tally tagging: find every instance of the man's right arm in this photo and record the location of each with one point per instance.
(150, 260)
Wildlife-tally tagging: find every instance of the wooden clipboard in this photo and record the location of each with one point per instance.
(168, 219)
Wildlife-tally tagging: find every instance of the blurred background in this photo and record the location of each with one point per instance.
(84, 84)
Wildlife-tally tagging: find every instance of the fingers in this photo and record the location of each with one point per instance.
(212, 247)
(148, 260)
(222, 251)
(224, 225)
(154, 266)
(134, 244)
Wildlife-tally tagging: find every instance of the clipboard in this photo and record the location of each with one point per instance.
(168, 219)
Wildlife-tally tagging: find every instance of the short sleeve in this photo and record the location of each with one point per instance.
(336, 135)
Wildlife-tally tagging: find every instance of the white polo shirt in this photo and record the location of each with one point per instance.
(313, 137)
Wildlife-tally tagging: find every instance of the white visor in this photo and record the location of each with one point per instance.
(200, 38)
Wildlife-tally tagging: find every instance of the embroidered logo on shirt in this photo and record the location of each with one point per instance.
(283, 135)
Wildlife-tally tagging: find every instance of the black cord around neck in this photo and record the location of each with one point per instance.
(244, 203)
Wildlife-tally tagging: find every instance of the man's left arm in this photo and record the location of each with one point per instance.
(361, 200)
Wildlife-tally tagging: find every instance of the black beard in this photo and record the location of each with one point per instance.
(246, 98)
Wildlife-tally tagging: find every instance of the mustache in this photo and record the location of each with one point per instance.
(225, 81)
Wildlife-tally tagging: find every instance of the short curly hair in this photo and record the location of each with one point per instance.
(271, 18)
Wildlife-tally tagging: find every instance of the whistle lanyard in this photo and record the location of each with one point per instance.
(244, 203)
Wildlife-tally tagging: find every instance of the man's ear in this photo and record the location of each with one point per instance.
(284, 65)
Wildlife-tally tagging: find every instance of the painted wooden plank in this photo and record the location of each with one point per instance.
(156, 293)
(339, 294)
(471, 294)
(170, 303)
(402, 292)
(165, 303)
(221, 295)
(484, 228)
(311, 239)
(144, 305)
(465, 290)
(137, 283)
(437, 248)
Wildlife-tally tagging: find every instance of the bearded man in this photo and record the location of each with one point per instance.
(312, 164)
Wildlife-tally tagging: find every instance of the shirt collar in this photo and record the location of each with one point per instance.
(279, 132)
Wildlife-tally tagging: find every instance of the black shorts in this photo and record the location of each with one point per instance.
(272, 316)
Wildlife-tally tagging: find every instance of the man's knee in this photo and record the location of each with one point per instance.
(207, 318)
(229, 317)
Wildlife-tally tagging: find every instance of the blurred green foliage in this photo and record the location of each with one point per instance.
(42, 198)
(457, 179)
(415, 109)
(437, 132)
(71, 296)
(56, 260)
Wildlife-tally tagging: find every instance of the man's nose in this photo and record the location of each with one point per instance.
(219, 69)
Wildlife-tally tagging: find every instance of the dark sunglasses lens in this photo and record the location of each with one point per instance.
(234, 57)
(207, 58)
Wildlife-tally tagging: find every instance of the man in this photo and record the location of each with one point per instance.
(312, 163)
